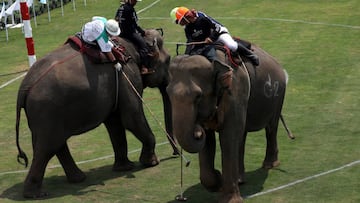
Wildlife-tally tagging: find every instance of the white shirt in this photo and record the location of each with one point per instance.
(92, 31)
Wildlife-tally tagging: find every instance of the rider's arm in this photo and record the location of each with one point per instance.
(110, 56)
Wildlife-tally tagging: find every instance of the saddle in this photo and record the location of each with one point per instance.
(93, 52)
(234, 57)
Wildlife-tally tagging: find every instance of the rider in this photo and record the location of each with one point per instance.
(200, 27)
(99, 30)
(127, 18)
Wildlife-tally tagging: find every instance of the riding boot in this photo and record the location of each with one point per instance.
(242, 50)
(145, 61)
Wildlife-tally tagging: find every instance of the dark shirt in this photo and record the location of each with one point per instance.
(217, 23)
(127, 18)
(199, 30)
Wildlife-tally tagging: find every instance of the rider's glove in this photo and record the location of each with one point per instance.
(118, 66)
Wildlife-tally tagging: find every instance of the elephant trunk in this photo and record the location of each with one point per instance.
(189, 135)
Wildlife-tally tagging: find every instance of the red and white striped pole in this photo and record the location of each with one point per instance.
(28, 32)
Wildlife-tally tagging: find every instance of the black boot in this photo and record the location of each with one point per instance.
(145, 61)
(242, 50)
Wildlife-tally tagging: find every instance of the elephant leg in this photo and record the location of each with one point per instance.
(271, 157)
(139, 126)
(210, 177)
(34, 179)
(230, 167)
(73, 173)
(118, 140)
(242, 159)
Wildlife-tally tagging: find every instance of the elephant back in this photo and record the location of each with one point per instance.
(44, 66)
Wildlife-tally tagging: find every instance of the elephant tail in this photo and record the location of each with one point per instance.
(20, 104)
(290, 135)
(286, 76)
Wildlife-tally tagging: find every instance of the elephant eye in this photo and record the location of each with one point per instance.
(151, 47)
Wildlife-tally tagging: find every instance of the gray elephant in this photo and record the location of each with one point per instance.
(65, 94)
(231, 100)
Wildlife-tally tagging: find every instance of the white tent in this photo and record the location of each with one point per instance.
(14, 7)
(10, 12)
(2, 12)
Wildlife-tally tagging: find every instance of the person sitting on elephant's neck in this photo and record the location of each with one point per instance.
(200, 27)
(127, 18)
(99, 30)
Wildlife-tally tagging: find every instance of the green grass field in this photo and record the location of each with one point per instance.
(318, 44)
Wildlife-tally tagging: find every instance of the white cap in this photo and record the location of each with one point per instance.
(112, 27)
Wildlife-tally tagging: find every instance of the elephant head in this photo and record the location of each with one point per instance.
(160, 59)
(195, 90)
(160, 79)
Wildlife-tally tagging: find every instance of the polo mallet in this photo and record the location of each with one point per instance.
(181, 197)
(187, 44)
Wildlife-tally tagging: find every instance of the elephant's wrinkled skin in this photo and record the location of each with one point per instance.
(64, 94)
(209, 97)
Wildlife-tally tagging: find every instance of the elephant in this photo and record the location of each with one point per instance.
(231, 99)
(65, 94)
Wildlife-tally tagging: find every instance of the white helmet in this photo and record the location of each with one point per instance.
(112, 27)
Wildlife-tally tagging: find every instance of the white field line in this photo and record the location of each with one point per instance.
(303, 180)
(79, 162)
(12, 80)
(229, 18)
(270, 19)
(293, 21)
(149, 6)
(247, 197)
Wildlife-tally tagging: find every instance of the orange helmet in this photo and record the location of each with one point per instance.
(180, 13)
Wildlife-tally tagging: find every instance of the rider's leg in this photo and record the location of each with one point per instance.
(248, 54)
(238, 47)
(144, 53)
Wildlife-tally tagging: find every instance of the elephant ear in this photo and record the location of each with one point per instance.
(154, 41)
(223, 75)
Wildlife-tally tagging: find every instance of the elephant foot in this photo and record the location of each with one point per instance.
(76, 177)
(175, 149)
(212, 181)
(149, 160)
(231, 198)
(39, 195)
(34, 194)
(175, 153)
(126, 165)
(241, 179)
(271, 164)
